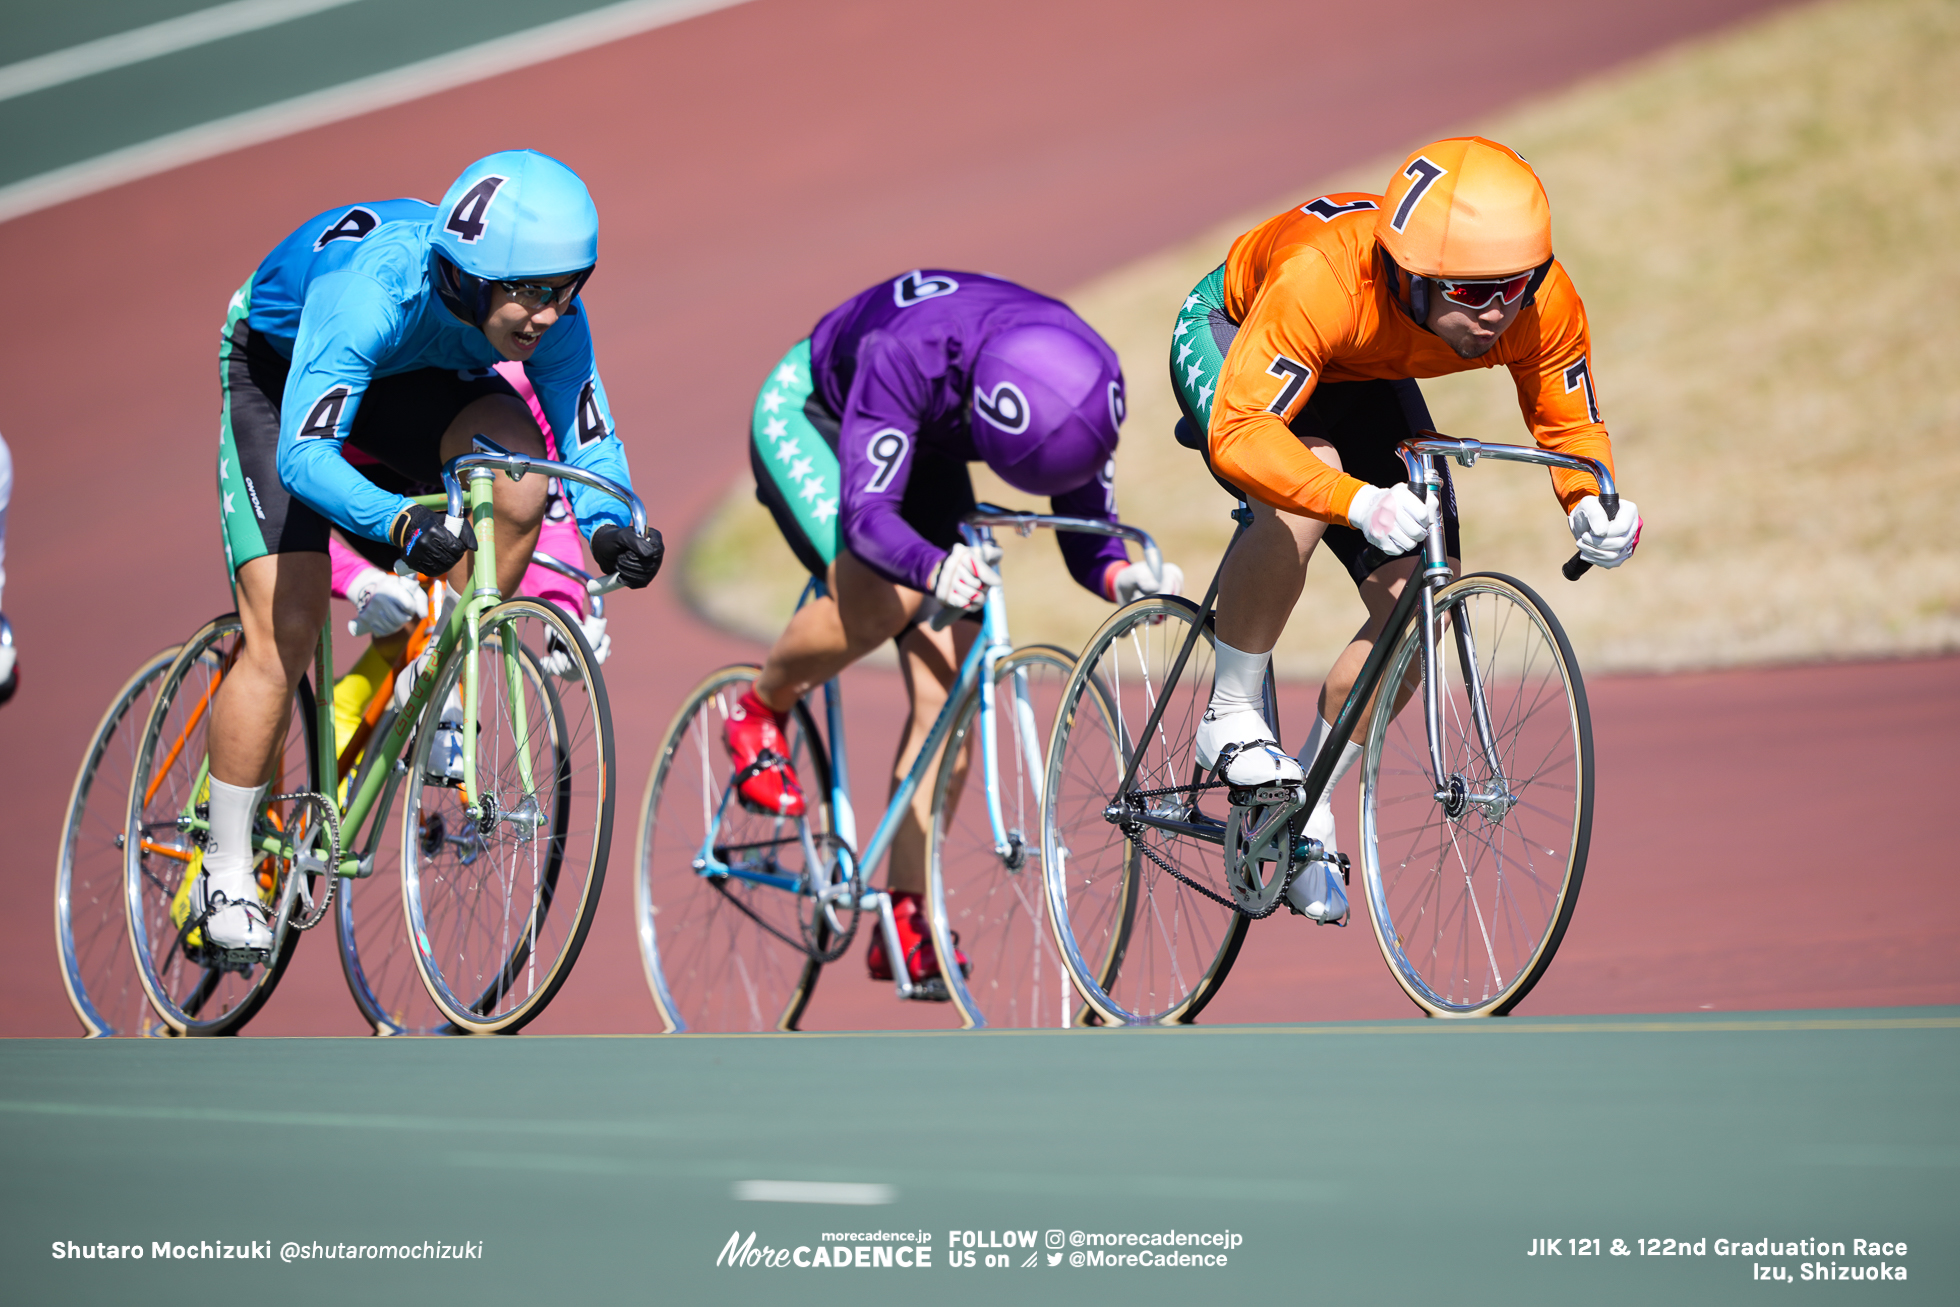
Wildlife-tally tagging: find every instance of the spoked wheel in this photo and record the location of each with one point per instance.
(500, 883)
(987, 901)
(1145, 923)
(376, 955)
(198, 989)
(91, 926)
(728, 952)
(1472, 883)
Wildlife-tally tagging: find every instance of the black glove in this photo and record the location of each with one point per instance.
(635, 557)
(426, 543)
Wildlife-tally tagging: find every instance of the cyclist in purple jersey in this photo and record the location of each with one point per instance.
(860, 443)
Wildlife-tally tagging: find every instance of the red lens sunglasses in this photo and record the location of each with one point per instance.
(1479, 294)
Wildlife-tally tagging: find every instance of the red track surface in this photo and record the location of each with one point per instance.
(757, 165)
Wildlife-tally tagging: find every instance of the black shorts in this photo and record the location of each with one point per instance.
(400, 423)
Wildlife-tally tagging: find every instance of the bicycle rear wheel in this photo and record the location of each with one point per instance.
(1471, 885)
(91, 925)
(500, 885)
(198, 990)
(725, 953)
(1147, 939)
(984, 900)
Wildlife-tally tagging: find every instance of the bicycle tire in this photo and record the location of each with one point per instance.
(495, 942)
(989, 904)
(1142, 946)
(715, 960)
(91, 923)
(377, 958)
(1467, 912)
(189, 990)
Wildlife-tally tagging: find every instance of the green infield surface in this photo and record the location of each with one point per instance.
(1362, 1163)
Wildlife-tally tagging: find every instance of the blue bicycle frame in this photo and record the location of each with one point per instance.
(855, 864)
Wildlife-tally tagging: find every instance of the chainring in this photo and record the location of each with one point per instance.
(829, 914)
(1259, 837)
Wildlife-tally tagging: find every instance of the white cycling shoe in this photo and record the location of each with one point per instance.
(235, 922)
(1257, 759)
(1317, 892)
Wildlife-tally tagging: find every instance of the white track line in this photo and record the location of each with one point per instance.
(814, 1191)
(348, 100)
(140, 43)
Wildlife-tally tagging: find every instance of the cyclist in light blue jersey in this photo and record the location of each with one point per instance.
(379, 325)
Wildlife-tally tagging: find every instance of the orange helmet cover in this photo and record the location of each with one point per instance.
(1465, 208)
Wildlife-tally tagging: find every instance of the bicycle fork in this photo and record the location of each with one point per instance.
(1451, 789)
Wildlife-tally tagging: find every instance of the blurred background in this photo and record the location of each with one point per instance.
(1755, 200)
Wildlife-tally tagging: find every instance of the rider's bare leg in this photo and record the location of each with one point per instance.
(1310, 894)
(1262, 576)
(516, 507)
(929, 661)
(861, 612)
(1257, 588)
(282, 603)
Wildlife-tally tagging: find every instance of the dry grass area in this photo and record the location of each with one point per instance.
(1763, 227)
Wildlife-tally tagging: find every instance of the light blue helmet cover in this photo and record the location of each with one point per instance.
(511, 215)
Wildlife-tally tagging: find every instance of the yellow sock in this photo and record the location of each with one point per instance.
(352, 692)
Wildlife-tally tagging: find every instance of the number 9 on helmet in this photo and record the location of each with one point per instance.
(512, 216)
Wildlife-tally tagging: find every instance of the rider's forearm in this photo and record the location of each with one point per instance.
(1586, 442)
(594, 508)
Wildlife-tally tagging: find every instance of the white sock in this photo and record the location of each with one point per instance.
(1239, 681)
(1320, 824)
(228, 857)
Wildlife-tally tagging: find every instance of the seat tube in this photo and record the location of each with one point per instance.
(840, 775)
(327, 765)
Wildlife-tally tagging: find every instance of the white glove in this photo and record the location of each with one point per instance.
(1135, 581)
(558, 659)
(384, 604)
(962, 578)
(1392, 519)
(1601, 542)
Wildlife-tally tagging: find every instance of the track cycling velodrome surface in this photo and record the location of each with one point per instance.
(1764, 839)
(1768, 849)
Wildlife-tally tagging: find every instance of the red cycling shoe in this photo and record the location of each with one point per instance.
(915, 937)
(766, 782)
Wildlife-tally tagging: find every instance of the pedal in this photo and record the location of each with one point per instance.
(931, 990)
(240, 960)
(1265, 796)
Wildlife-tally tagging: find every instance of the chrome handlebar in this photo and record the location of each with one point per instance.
(1467, 452)
(491, 456)
(991, 515)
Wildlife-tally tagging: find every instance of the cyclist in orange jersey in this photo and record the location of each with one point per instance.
(1297, 358)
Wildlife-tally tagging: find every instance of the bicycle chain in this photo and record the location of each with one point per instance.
(801, 946)
(1134, 830)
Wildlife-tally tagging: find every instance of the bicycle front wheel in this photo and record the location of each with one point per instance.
(197, 989)
(1472, 876)
(91, 926)
(986, 898)
(1146, 925)
(501, 873)
(727, 952)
